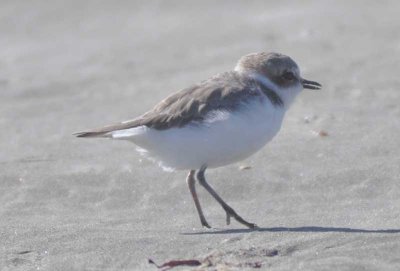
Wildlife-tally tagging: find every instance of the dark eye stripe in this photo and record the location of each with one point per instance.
(288, 76)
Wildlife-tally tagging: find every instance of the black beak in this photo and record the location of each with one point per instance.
(310, 84)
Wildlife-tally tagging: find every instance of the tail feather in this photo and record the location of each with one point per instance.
(108, 130)
(92, 134)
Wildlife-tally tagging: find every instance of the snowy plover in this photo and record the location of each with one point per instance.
(217, 122)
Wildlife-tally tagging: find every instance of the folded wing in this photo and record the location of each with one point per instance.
(226, 92)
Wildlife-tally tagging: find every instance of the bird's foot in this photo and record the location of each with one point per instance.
(228, 218)
(205, 224)
(231, 213)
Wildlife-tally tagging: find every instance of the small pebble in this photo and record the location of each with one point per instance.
(244, 167)
(308, 119)
(320, 133)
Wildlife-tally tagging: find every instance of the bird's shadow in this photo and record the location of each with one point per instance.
(314, 229)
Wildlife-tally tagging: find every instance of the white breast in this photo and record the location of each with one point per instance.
(223, 138)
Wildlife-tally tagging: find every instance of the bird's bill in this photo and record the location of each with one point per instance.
(310, 84)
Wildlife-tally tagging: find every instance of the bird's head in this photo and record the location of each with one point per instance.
(276, 71)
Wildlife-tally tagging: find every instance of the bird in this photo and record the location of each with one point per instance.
(217, 122)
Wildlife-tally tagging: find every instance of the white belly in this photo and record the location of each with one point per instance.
(224, 138)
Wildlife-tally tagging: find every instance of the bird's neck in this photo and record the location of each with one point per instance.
(287, 95)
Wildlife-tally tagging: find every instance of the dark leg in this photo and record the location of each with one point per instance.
(191, 181)
(229, 211)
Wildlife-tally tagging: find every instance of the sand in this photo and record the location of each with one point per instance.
(322, 202)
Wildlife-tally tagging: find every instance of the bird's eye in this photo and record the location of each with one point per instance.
(288, 76)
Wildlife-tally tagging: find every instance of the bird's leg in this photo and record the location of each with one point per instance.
(191, 181)
(229, 210)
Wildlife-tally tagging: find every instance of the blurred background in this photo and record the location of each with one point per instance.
(75, 204)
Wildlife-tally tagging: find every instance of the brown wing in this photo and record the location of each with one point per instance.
(222, 92)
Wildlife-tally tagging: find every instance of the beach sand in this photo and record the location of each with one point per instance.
(325, 192)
